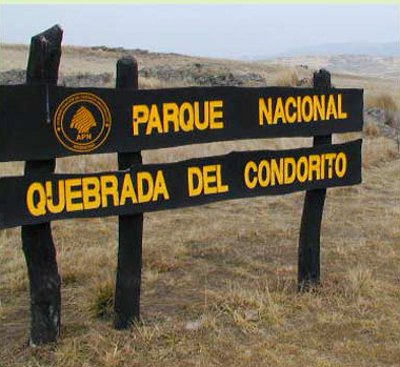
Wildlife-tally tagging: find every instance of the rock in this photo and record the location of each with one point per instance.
(86, 80)
(304, 82)
(251, 315)
(198, 74)
(388, 122)
(195, 325)
(376, 114)
(18, 76)
(13, 76)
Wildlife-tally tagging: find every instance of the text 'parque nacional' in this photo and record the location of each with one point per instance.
(44, 122)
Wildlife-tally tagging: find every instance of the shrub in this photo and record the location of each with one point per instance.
(387, 103)
(287, 78)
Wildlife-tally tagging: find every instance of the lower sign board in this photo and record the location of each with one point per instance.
(143, 188)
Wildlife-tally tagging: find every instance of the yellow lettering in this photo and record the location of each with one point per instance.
(264, 173)
(302, 169)
(314, 166)
(341, 164)
(290, 170)
(186, 116)
(330, 157)
(109, 187)
(160, 188)
(91, 193)
(265, 113)
(279, 112)
(36, 207)
(50, 197)
(322, 166)
(331, 109)
(216, 113)
(127, 192)
(209, 179)
(140, 116)
(306, 109)
(290, 105)
(250, 167)
(276, 172)
(145, 179)
(71, 195)
(221, 187)
(195, 188)
(341, 113)
(319, 107)
(154, 121)
(170, 115)
(299, 115)
(173, 117)
(202, 125)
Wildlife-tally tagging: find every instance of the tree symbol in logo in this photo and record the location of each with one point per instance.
(83, 121)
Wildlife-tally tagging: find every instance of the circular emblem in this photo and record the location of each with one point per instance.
(82, 122)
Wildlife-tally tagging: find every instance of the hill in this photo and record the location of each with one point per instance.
(371, 49)
(219, 281)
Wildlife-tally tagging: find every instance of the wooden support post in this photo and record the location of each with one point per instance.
(37, 240)
(127, 290)
(310, 230)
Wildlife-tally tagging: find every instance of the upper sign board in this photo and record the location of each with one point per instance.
(44, 122)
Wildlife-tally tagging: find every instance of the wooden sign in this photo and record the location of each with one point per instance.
(143, 188)
(44, 122)
(40, 121)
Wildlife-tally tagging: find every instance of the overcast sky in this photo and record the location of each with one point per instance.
(207, 30)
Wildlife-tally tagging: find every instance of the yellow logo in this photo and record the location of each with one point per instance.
(82, 122)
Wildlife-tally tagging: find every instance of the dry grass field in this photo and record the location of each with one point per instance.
(219, 281)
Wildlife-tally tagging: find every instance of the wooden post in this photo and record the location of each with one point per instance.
(127, 290)
(310, 230)
(37, 240)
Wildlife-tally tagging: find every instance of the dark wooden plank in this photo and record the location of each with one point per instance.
(310, 230)
(197, 181)
(134, 120)
(130, 227)
(37, 240)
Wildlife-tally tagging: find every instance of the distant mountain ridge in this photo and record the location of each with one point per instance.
(386, 49)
